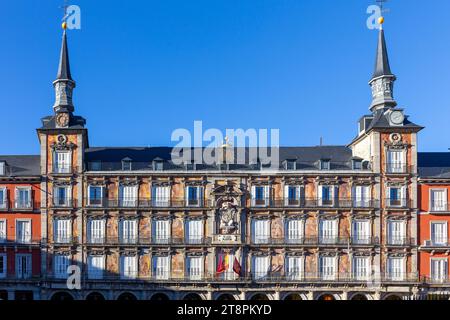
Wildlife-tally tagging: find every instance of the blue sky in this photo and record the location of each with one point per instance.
(145, 68)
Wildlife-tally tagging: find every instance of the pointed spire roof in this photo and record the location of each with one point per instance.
(64, 66)
(382, 67)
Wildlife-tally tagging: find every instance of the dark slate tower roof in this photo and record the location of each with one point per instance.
(64, 65)
(382, 67)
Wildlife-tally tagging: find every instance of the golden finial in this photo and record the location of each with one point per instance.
(64, 25)
(225, 143)
(381, 20)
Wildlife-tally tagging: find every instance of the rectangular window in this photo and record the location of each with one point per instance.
(396, 161)
(161, 196)
(260, 230)
(194, 196)
(129, 269)
(62, 230)
(60, 265)
(397, 197)
(294, 230)
(327, 268)
(96, 230)
(61, 196)
(3, 198)
(328, 231)
(361, 196)
(327, 195)
(23, 266)
(3, 265)
(96, 266)
(292, 195)
(294, 268)
(291, 165)
(357, 164)
(95, 195)
(438, 200)
(194, 231)
(195, 268)
(396, 232)
(439, 233)
(23, 198)
(62, 162)
(126, 165)
(128, 196)
(395, 268)
(260, 268)
(361, 268)
(361, 232)
(260, 196)
(23, 231)
(128, 231)
(158, 165)
(161, 231)
(2, 168)
(3, 235)
(161, 267)
(439, 270)
(325, 165)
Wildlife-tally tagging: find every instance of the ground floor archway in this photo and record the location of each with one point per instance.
(159, 297)
(95, 296)
(293, 296)
(126, 296)
(62, 296)
(259, 296)
(225, 296)
(192, 296)
(326, 297)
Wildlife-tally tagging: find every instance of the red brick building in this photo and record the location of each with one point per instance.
(434, 219)
(20, 227)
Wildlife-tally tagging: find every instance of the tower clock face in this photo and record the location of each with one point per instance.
(397, 117)
(62, 119)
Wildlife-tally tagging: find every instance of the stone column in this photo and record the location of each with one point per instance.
(276, 295)
(344, 295)
(209, 295)
(310, 295)
(242, 295)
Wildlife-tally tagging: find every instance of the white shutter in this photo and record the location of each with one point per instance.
(260, 267)
(261, 231)
(23, 266)
(253, 195)
(266, 195)
(63, 230)
(361, 269)
(328, 268)
(96, 266)
(294, 230)
(439, 233)
(97, 230)
(395, 268)
(194, 231)
(294, 268)
(129, 266)
(286, 195)
(61, 263)
(3, 229)
(195, 268)
(439, 271)
(161, 267)
(161, 232)
(3, 202)
(328, 231)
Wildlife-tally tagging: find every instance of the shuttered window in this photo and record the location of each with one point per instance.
(439, 270)
(260, 196)
(161, 232)
(161, 267)
(439, 233)
(96, 230)
(294, 230)
(361, 196)
(23, 231)
(195, 267)
(23, 266)
(194, 231)
(328, 268)
(439, 200)
(128, 267)
(194, 196)
(62, 162)
(395, 268)
(361, 232)
(3, 198)
(161, 196)
(328, 231)
(260, 268)
(396, 232)
(128, 196)
(260, 230)
(62, 230)
(3, 235)
(361, 268)
(128, 231)
(294, 268)
(396, 161)
(23, 198)
(96, 266)
(60, 265)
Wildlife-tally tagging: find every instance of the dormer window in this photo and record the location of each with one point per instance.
(2, 168)
(357, 164)
(324, 164)
(158, 165)
(290, 165)
(126, 164)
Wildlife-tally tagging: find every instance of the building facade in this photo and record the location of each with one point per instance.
(324, 222)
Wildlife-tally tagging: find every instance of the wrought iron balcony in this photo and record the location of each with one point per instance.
(436, 243)
(437, 207)
(162, 241)
(344, 203)
(398, 168)
(145, 203)
(316, 241)
(25, 205)
(64, 202)
(22, 241)
(400, 241)
(400, 203)
(65, 240)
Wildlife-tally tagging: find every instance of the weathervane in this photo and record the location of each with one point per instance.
(65, 15)
(382, 10)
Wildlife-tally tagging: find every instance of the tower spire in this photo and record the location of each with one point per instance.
(382, 82)
(64, 83)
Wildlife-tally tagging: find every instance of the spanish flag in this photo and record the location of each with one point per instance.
(220, 265)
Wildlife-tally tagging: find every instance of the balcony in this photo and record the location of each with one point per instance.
(23, 241)
(439, 207)
(62, 169)
(65, 202)
(398, 168)
(25, 205)
(398, 203)
(65, 240)
(4, 205)
(344, 203)
(400, 241)
(436, 244)
(136, 241)
(145, 203)
(316, 241)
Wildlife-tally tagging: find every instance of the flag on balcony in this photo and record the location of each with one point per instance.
(236, 266)
(221, 265)
(276, 268)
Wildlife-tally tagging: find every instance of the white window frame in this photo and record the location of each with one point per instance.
(364, 274)
(334, 195)
(362, 196)
(20, 273)
(366, 236)
(194, 231)
(328, 236)
(161, 266)
(2, 168)
(129, 270)
(400, 274)
(19, 204)
(161, 231)
(297, 201)
(4, 198)
(396, 165)
(443, 207)
(60, 265)
(3, 230)
(294, 230)
(194, 202)
(195, 270)
(161, 196)
(25, 236)
(260, 270)
(66, 165)
(265, 201)
(443, 239)
(328, 272)
(66, 201)
(98, 202)
(96, 271)
(295, 266)
(62, 230)
(128, 230)
(438, 278)
(128, 200)
(260, 231)
(397, 239)
(402, 196)
(97, 235)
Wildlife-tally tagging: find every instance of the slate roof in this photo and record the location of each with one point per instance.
(340, 157)
(76, 122)
(434, 165)
(382, 67)
(22, 166)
